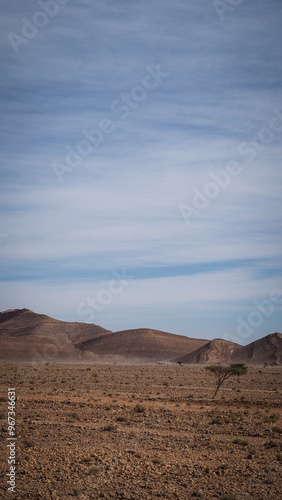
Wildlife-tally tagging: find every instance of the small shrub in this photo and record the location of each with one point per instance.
(121, 419)
(156, 461)
(217, 421)
(76, 492)
(139, 408)
(270, 444)
(269, 480)
(277, 429)
(94, 471)
(150, 422)
(3, 399)
(279, 457)
(272, 418)
(73, 416)
(230, 418)
(28, 443)
(110, 428)
(242, 442)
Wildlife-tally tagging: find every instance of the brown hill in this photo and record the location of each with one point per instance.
(215, 351)
(267, 350)
(142, 344)
(28, 336)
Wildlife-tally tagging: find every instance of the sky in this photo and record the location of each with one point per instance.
(141, 164)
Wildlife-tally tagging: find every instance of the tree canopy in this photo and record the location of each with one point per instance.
(222, 373)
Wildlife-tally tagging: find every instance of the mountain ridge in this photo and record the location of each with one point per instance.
(268, 350)
(26, 335)
(215, 351)
(149, 344)
(29, 336)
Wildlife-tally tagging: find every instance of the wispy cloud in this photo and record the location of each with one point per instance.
(119, 207)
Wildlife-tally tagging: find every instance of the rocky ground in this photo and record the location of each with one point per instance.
(142, 432)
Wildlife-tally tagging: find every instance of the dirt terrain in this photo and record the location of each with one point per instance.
(142, 432)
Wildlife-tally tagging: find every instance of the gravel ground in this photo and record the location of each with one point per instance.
(142, 432)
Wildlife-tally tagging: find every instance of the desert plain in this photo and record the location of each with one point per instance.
(143, 431)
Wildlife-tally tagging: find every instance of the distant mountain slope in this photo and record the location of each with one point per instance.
(266, 350)
(142, 344)
(28, 336)
(215, 351)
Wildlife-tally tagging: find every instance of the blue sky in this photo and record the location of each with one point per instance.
(173, 95)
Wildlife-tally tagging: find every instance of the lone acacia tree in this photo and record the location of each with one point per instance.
(222, 373)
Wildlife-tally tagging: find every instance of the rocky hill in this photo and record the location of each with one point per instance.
(28, 336)
(267, 350)
(215, 351)
(142, 343)
(31, 337)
